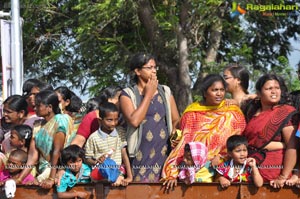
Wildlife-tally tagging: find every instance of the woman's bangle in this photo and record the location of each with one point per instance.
(75, 193)
(282, 177)
(18, 180)
(52, 179)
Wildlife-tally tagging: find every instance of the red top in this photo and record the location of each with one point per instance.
(88, 125)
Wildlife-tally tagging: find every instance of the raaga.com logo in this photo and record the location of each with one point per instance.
(265, 10)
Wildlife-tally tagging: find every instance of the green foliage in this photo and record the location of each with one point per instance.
(88, 43)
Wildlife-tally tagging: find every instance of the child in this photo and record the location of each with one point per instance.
(20, 137)
(15, 163)
(194, 158)
(75, 171)
(239, 168)
(105, 148)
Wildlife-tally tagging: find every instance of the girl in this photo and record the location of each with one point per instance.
(75, 171)
(194, 158)
(20, 137)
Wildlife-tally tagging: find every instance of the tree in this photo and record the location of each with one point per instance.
(88, 43)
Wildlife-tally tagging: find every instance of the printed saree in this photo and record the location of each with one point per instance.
(211, 125)
(260, 130)
(44, 133)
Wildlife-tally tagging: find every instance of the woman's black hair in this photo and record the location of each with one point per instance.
(106, 108)
(48, 97)
(92, 104)
(139, 60)
(44, 86)
(75, 104)
(24, 132)
(28, 85)
(71, 153)
(235, 141)
(75, 101)
(241, 73)
(65, 92)
(17, 103)
(107, 93)
(208, 81)
(252, 106)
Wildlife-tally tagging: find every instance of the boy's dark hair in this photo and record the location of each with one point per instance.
(71, 153)
(107, 107)
(187, 148)
(19, 153)
(235, 141)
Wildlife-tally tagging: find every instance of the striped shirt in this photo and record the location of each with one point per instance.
(100, 143)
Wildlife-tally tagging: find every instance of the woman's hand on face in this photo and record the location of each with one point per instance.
(151, 86)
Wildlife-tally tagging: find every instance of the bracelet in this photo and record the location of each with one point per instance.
(282, 177)
(18, 180)
(52, 179)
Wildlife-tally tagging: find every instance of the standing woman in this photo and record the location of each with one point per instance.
(71, 105)
(237, 79)
(49, 137)
(210, 121)
(151, 115)
(265, 116)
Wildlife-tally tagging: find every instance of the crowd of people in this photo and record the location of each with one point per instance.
(50, 137)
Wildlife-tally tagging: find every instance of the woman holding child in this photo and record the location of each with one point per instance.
(269, 132)
(49, 138)
(210, 121)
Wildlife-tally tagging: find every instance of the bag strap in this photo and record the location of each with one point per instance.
(283, 123)
(162, 92)
(138, 100)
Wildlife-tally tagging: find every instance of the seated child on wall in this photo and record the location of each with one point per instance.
(239, 168)
(75, 171)
(15, 164)
(105, 149)
(194, 158)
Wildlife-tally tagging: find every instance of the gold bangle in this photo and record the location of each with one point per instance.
(282, 177)
(52, 179)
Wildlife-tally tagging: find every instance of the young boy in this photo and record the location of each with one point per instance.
(239, 168)
(194, 158)
(15, 164)
(105, 149)
(75, 171)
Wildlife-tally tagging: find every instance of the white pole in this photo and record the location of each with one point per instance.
(17, 54)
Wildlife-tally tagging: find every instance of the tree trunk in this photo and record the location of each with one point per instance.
(184, 95)
(178, 77)
(212, 51)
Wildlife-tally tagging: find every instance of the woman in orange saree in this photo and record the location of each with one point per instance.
(211, 122)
